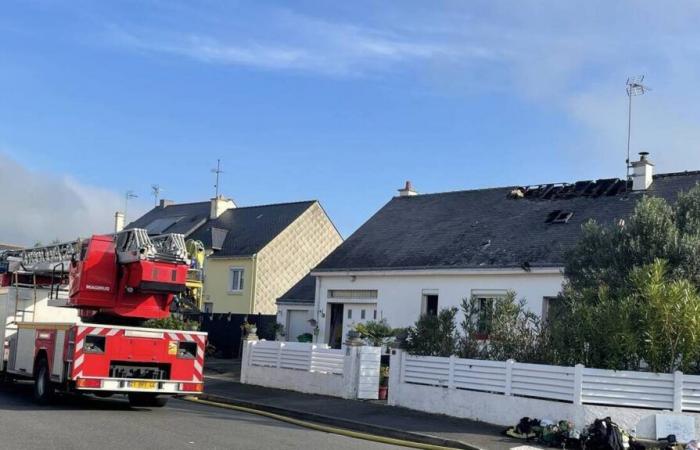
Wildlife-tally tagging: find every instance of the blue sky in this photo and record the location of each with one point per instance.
(336, 101)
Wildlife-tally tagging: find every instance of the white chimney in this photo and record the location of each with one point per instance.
(407, 191)
(642, 173)
(219, 205)
(164, 203)
(118, 221)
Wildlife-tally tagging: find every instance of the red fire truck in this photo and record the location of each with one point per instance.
(72, 318)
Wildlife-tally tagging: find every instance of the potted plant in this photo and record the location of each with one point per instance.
(383, 382)
(278, 330)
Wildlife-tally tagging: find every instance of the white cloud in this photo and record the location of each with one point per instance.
(41, 207)
(566, 58)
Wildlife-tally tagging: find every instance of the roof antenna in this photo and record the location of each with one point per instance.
(156, 189)
(217, 171)
(128, 196)
(634, 88)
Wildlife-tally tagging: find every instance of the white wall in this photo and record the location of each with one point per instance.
(283, 318)
(400, 294)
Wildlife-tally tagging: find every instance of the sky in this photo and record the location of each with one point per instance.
(336, 101)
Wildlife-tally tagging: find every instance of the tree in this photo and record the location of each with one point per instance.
(434, 335)
(630, 295)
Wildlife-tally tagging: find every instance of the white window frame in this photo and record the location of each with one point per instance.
(241, 284)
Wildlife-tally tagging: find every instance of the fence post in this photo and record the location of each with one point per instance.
(509, 377)
(451, 373)
(311, 357)
(677, 391)
(578, 384)
(395, 367)
(350, 370)
(279, 354)
(245, 361)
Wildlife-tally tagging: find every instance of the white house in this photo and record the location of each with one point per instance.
(422, 253)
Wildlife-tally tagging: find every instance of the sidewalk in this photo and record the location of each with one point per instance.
(368, 416)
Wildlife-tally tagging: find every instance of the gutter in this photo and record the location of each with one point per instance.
(427, 272)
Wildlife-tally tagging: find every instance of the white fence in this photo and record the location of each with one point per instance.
(578, 385)
(315, 369)
(503, 391)
(297, 356)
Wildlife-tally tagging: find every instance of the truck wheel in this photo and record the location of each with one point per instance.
(140, 399)
(43, 388)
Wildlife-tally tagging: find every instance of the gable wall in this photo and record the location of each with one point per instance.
(291, 255)
(217, 284)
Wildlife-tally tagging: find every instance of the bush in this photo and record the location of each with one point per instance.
(434, 335)
(173, 323)
(375, 333)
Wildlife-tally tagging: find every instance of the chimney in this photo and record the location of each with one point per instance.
(219, 205)
(642, 173)
(165, 203)
(407, 191)
(118, 221)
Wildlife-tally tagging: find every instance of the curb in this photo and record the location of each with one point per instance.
(344, 423)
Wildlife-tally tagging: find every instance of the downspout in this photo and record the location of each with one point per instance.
(253, 283)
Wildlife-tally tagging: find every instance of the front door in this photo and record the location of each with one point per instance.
(335, 336)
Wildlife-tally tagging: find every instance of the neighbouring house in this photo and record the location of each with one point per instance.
(254, 253)
(295, 309)
(422, 253)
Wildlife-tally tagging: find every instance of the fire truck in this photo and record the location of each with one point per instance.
(73, 315)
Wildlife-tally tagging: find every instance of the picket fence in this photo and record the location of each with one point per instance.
(578, 385)
(297, 356)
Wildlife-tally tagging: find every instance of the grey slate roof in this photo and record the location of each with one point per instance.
(250, 228)
(241, 231)
(302, 293)
(189, 216)
(483, 228)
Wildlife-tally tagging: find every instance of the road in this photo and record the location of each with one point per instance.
(91, 423)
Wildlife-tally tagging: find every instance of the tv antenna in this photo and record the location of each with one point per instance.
(128, 196)
(635, 87)
(217, 171)
(156, 190)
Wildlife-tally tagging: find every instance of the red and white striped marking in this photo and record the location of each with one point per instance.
(198, 375)
(79, 354)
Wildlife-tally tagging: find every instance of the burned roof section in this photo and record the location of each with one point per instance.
(557, 191)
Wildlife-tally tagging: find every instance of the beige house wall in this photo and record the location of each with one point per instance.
(217, 284)
(291, 255)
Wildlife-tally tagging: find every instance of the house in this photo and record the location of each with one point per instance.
(295, 309)
(254, 254)
(422, 253)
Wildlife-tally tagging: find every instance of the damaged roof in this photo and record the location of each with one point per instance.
(506, 227)
(183, 218)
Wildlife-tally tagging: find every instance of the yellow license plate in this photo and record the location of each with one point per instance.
(142, 384)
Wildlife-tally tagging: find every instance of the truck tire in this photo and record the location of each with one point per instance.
(43, 388)
(141, 399)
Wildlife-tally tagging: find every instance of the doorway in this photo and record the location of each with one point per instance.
(335, 334)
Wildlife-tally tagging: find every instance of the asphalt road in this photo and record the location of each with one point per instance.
(92, 423)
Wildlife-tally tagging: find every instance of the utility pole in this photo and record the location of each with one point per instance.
(634, 88)
(217, 171)
(129, 195)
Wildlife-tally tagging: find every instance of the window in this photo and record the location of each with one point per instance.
(485, 315)
(236, 279)
(349, 313)
(352, 293)
(208, 307)
(550, 308)
(430, 305)
(375, 314)
(362, 314)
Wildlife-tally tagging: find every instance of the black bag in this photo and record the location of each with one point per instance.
(604, 434)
